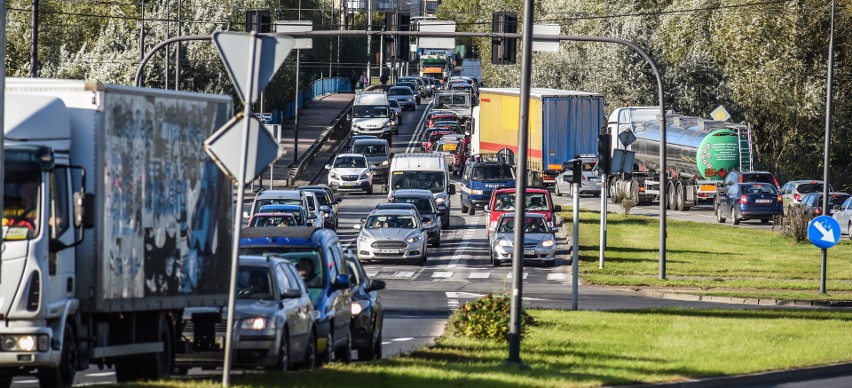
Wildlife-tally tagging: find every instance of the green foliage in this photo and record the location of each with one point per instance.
(794, 224)
(487, 318)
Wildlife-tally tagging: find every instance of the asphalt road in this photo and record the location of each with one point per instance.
(418, 299)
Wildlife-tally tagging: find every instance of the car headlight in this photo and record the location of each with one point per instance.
(257, 323)
(325, 213)
(333, 175)
(440, 200)
(547, 243)
(358, 306)
(385, 163)
(363, 176)
(475, 192)
(413, 239)
(364, 239)
(503, 242)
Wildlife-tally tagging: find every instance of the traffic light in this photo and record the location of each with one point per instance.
(504, 50)
(260, 21)
(577, 171)
(604, 152)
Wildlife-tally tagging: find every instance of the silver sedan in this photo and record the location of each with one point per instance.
(539, 240)
(392, 234)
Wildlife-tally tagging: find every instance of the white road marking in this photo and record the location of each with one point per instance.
(402, 339)
(100, 374)
(442, 274)
(454, 261)
(403, 274)
(509, 276)
(451, 294)
(27, 381)
(559, 276)
(479, 275)
(372, 273)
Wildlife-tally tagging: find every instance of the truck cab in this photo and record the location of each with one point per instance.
(483, 173)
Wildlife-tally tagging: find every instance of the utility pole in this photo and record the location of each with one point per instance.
(369, 37)
(34, 47)
(177, 48)
(829, 109)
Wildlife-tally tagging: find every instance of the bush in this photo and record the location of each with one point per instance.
(626, 200)
(487, 318)
(794, 224)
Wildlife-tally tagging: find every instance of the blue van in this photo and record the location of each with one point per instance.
(317, 252)
(483, 173)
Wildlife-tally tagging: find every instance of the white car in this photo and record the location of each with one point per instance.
(350, 172)
(392, 234)
(397, 113)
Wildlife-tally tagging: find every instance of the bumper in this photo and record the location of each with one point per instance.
(378, 132)
(412, 251)
(408, 104)
(49, 358)
(359, 185)
(531, 255)
(362, 330)
(766, 213)
(381, 173)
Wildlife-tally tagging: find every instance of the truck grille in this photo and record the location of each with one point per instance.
(389, 245)
(349, 178)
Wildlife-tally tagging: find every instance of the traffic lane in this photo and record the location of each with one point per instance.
(408, 139)
(701, 213)
(413, 319)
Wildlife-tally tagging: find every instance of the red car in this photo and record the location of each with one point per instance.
(436, 116)
(537, 199)
(430, 138)
(461, 155)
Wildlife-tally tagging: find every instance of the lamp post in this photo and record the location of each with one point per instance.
(369, 37)
(34, 46)
(829, 108)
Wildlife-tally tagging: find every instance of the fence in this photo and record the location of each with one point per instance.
(316, 89)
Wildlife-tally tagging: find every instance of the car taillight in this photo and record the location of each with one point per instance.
(743, 200)
(797, 197)
(780, 199)
(818, 211)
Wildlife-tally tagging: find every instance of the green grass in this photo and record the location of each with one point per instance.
(591, 349)
(709, 257)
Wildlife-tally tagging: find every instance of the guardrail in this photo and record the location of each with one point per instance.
(317, 88)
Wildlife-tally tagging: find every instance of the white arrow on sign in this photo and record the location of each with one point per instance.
(827, 235)
(235, 48)
(223, 147)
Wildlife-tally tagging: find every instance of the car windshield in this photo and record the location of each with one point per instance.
(759, 189)
(390, 221)
(301, 257)
(276, 220)
(762, 178)
(275, 201)
(427, 180)
(370, 149)
(368, 111)
(492, 173)
(399, 92)
(536, 201)
(350, 162)
(452, 99)
(254, 282)
(322, 197)
(436, 136)
(423, 205)
(531, 225)
(22, 204)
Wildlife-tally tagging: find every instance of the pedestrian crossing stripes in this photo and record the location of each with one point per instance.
(466, 274)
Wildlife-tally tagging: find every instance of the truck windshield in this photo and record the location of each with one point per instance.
(308, 261)
(370, 111)
(426, 180)
(493, 173)
(453, 99)
(22, 203)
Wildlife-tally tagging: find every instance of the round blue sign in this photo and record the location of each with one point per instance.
(824, 232)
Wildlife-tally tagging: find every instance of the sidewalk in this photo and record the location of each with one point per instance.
(314, 118)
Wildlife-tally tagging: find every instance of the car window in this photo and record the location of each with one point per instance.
(337, 261)
(391, 221)
(809, 188)
(505, 202)
(535, 225)
(283, 220)
(253, 282)
(535, 201)
(423, 205)
(370, 149)
(350, 162)
(293, 278)
(284, 282)
(487, 173)
(837, 199)
(353, 271)
(763, 178)
(306, 260)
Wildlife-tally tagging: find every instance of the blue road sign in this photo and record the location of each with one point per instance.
(824, 232)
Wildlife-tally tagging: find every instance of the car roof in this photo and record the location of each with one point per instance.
(276, 194)
(350, 155)
(293, 232)
(273, 214)
(371, 141)
(526, 215)
(393, 212)
(395, 205)
(534, 190)
(418, 162)
(412, 193)
(280, 207)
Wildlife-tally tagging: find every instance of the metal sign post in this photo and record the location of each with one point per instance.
(829, 107)
(575, 250)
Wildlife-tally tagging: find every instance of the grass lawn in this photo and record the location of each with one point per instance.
(590, 349)
(711, 258)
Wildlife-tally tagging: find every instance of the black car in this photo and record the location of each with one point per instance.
(367, 311)
(745, 201)
(735, 177)
(812, 203)
(328, 204)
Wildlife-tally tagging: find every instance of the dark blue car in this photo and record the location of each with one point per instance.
(317, 255)
(367, 311)
(747, 201)
(483, 173)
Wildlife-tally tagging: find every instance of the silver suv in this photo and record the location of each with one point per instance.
(392, 234)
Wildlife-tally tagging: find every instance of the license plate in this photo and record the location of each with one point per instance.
(388, 250)
(594, 180)
(349, 183)
(762, 201)
(529, 251)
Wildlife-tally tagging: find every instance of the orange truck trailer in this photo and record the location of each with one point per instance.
(562, 124)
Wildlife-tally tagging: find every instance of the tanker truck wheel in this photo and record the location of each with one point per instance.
(671, 201)
(63, 375)
(681, 198)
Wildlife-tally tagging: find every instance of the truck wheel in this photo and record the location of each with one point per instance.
(719, 217)
(670, 196)
(463, 207)
(471, 210)
(63, 375)
(680, 200)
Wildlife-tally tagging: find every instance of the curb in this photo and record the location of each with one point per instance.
(748, 301)
(772, 377)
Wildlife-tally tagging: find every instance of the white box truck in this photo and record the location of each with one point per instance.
(115, 219)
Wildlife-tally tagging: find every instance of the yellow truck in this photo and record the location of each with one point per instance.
(562, 124)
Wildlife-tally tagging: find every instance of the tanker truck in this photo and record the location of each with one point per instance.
(114, 220)
(699, 153)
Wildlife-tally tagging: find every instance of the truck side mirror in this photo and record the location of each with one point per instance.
(557, 208)
(84, 210)
(452, 190)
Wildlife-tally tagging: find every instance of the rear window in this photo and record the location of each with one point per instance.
(809, 188)
(837, 199)
(759, 188)
(762, 178)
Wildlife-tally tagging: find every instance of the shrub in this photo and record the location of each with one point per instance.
(487, 318)
(626, 200)
(795, 222)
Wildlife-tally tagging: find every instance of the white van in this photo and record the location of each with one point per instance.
(423, 171)
(372, 115)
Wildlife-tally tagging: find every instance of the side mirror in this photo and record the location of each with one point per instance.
(291, 293)
(452, 189)
(487, 208)
(375, 285)
(328, 167)
(341, 282)
(425, 219)
(84, 210)
(835, 208)
(357, 226)
(557, 208)
(554, 230)
(348, 117)
(338, 199)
